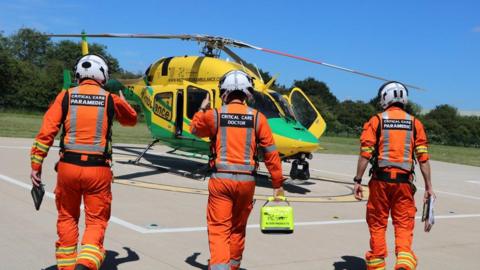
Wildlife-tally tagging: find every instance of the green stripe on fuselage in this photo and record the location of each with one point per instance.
(291, 129)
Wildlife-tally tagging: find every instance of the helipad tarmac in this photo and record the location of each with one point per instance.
(158, 217)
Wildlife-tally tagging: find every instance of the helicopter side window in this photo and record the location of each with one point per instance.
(284, 105)
(195, 96)
(264, 104)
(163, 105)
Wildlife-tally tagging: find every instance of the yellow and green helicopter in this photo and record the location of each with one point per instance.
(172, 89)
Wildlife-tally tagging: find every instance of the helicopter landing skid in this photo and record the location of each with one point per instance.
(137, 160)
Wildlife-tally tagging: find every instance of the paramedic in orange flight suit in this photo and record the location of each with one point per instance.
(392, 139)
(234, 130)
(86, 113)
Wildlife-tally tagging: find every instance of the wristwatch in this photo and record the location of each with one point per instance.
(357, 180)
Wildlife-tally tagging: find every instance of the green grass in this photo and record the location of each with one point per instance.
(26, 125)
(452, 154)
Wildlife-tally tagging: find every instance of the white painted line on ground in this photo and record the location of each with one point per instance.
(300, 224)
(15, 147)
(474, 182)
(453, 194)
(50, 195)
(144, 230)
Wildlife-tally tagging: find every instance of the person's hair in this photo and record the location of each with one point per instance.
(237, 94)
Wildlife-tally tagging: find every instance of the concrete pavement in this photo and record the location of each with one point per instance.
(158, 218)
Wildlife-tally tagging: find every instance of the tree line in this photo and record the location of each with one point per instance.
(31, 67)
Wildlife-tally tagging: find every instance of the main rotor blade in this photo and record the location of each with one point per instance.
(221, 43)
(109, 35)
(334, 66)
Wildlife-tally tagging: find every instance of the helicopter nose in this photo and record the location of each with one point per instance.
(295, 140)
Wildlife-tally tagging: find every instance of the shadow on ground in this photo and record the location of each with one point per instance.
(112, 260)
(350, 263)
(192, 169)
(192, 261)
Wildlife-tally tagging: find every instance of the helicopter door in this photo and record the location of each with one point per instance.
(194, 97)
(306, 113)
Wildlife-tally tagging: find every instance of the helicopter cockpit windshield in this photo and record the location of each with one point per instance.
(264, 104)
(284, 105)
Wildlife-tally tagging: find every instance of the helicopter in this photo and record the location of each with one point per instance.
(172, 89)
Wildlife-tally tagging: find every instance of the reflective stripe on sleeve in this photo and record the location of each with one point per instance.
(36, 159)
(270, 148)
(234, 176)
(40, 146)
(367, 149)
(421, 149)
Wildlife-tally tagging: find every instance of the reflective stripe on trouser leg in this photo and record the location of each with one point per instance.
(374, 263)
(406, 260)
(222, 266)
(66, 257)
(235, 264)
(377, 217)
(91, 256)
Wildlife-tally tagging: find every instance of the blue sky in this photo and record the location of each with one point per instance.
(432, 44)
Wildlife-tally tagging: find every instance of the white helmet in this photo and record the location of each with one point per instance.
(392, 92)
(92, 67)
(236, 80)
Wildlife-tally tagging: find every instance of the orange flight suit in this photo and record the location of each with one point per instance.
(395, 136)
(86, 113)
(235, 130)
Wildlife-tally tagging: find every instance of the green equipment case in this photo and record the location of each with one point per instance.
(276, 218)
